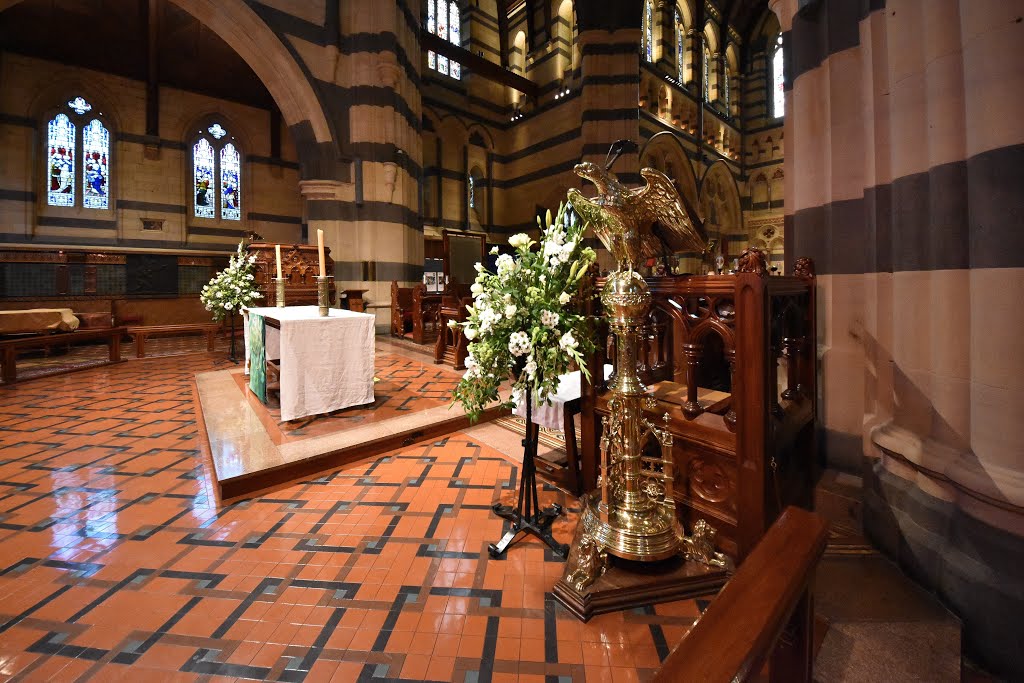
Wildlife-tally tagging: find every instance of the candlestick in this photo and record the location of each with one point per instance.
(320, 247)
(277, 252)
(279, 296)
(323, 296)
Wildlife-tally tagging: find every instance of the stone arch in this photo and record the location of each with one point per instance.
(517, 64)
(720, 202)
(248, 35)
(60, 89)
(669, 146)
(563, 13)
(759, 191)
(481, 134)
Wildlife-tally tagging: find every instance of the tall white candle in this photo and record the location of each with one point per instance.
(277, 250)
(320, 246)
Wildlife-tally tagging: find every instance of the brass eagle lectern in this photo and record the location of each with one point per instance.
(632, 513)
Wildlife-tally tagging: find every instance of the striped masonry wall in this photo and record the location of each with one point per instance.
(904, 147)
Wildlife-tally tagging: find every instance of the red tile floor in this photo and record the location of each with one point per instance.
(116, 562)
(404, 383)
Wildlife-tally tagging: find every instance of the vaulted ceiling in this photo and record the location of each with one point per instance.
(112, 36)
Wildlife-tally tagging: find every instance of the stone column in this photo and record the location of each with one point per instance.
(906, 191)
(373, 226)
(610, 96)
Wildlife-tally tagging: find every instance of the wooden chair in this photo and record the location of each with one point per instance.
(424, 314)
(452, 345)
(414, 311)
(401, 309)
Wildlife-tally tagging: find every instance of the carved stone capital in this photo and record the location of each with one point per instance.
(388, 69)
(390, 173)
(321, 189)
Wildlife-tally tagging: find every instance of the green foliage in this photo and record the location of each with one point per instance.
(233, 287)
(522, 321)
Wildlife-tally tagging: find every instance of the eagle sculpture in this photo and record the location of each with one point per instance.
(638, 224)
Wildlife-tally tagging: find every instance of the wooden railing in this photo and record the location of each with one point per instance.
(764, 611)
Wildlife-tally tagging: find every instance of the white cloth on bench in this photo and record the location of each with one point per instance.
(551, 415)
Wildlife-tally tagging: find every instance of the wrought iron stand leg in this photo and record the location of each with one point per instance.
(527, 516)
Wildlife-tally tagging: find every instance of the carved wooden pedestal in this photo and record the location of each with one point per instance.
(626, 585)
(299, 266)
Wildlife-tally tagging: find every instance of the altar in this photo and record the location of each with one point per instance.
(325, 362)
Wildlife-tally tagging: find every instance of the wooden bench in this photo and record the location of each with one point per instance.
(140, 334)
(9, 348)
(413, 310)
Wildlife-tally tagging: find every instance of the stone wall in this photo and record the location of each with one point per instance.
(150, 176)
(904, 144)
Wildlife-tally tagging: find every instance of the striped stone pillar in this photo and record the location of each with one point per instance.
(610, 96)
(372, 224)
(905, 140)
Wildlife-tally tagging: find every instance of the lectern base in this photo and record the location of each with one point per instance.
(626, 585)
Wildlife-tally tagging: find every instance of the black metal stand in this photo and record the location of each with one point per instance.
(231, 353)
(527, 516)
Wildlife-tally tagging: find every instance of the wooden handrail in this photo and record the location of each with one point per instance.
(768, 595)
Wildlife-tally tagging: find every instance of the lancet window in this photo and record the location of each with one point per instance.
(648, 30)
(77, 158)
(778, 94)
(216, 175)
(444, 21)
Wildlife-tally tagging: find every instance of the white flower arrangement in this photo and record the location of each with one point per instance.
(512, 324)
(233, 287)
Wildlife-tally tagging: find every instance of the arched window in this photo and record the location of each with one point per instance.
(648, 30)
(216, 175)
(471, 183)
(680, 49)
(726, 77)
(707, 74)
(778, 94)
(65, 147)
(444, 20)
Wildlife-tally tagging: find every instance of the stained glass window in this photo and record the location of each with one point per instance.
(442, 31)
(648, 30)
(472, 192)
(79, 105)
(217, 131)
(205, 191)
(230, 167)
(443, 20)
(707, 75)
(680, 49)
(95, 166)
(431, 23)
(725, 86)
(60, 138)
(454, 26)
(778, 81)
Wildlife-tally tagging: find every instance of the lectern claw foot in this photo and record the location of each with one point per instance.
(586, 564)
(700, 547)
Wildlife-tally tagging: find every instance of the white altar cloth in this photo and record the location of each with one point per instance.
(550, 415)
(326, 361)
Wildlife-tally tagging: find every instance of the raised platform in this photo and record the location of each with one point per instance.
(252, 450)
(627, 585)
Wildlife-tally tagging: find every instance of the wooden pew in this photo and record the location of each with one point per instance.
(452, 347)
(414, 311)
(9, 348)
(765, 610)
(141, 333)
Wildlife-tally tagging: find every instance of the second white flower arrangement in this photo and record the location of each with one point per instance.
(519, 323)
